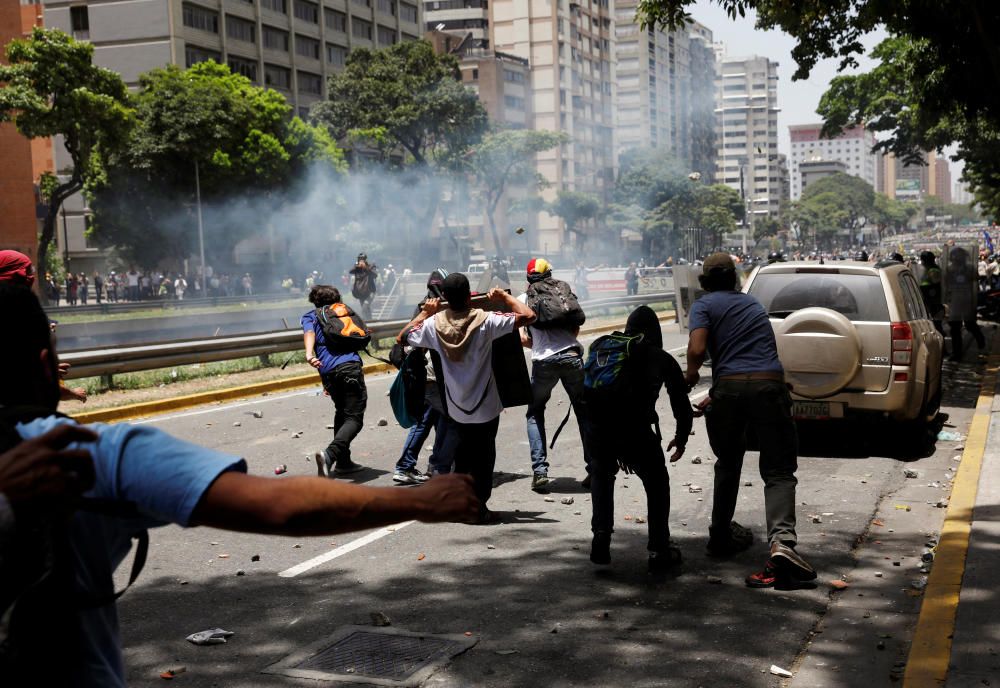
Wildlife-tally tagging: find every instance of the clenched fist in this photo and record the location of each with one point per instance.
(449, 497)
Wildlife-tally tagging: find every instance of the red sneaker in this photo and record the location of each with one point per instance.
(765, 578)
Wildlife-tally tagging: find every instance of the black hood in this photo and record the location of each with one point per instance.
(643, 321)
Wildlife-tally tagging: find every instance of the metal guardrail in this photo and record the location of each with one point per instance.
(130, 359)
(166, 304)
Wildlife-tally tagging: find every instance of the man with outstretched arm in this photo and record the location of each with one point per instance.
(748, 389)
(161, 480)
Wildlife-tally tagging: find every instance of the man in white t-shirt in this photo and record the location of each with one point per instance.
(133, 284)
(464, 336)
(556, 356)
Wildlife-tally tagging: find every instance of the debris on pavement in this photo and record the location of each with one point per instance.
(748, 483)
(491, 546)
(919, 583)
(223, 556)
(566, 500)
(816, 518)
(380, 619)
(714, 580)
(550, 499)
(213, 636)
(255, 557)
(910, 473)
(778, 671)
(237, 424)
(946, 436)
(878, 522)
(329, 426)
(296, 546)
(421, 557)
(694, 489)
(241, 572)
(903, 507)
(879, 574)
(506, 652)
(258, 414)
(171, 673)
(283, 468)
(838, 584)
(382, 422)
(640, 519)
(696, 459)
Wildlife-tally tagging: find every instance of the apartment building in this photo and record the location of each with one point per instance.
(460, 16)
(666, 90)
(746, 130)
(853, 148)
(22, 160)
(914, 182)
(291, 46)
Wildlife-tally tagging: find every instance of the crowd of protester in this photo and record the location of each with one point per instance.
(133, 285)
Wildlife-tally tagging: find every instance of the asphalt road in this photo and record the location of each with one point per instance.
(525, 589)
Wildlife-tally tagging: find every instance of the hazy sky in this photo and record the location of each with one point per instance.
(797, 99)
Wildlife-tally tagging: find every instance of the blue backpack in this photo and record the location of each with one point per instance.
(406, 395)
(609, 373)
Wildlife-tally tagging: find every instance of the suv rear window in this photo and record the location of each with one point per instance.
(857, 297)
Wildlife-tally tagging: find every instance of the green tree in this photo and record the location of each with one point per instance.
(713, 210)
(890, 215)
(239, 137)
(575, 208)
(52, 88)
(849, 202)
(506, 159)
(649, 178)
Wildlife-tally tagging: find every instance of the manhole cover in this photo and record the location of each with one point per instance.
(379, 656)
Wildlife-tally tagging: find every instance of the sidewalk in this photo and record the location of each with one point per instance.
(957, 639)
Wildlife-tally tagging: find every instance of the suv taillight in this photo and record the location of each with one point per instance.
(902, 343)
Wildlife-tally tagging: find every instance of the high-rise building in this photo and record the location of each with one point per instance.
(746, 130)
(22, 160)
(460, 16)
(291, 46)
(853, 148)
(961, 194)
(666, 90)
(912, 182)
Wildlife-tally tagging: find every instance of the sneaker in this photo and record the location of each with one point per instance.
(765, 578)
(790, 562)
(600, 549)
(585, 483)
(666, 560)
(739, 540)
(347, 468)
(321, 466)
(410, 476)
(539, 482)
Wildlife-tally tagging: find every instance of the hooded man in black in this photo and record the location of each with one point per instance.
(629, 437)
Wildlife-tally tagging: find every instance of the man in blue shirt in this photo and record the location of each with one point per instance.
(748, 389)
(163, 480)
(343, 381)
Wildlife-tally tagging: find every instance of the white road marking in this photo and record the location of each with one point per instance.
(343, 549)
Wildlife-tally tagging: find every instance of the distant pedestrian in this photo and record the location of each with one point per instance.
(932, 289)
(365, 274)
(132, 284)
(343, 380)
(84, 288)
(961, 290)
(247, 283)
(464, 336)
(748, 390)
(72, 285)
(180, 286)
(98, 286)
(632, 280)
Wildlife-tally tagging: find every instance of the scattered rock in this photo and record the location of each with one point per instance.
(296, 546)
(258, 414)
(640, 519)
(421, 556)
(816, 519)
(379, 619)
(490, 546)
(237, 424)
(296, 435)
(714, 580)
(748, 483)
(382, 422)
(255, 557)
(696, 460)
(223, 556)
(171, 673)
(240, 572)
(778, 671)
(550, 499)
(910, 473)
(184, 582)
(919, 583)
(506, 652)
(896, 563)
(566, 500)
(577, 513)
(694, 489)
(880, 645)
(878, 574)
(838, 584)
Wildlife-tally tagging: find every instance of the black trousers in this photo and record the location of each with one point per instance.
(767, 406)
(957, 346)
(346, 386)
(641, 448)
(473, 449)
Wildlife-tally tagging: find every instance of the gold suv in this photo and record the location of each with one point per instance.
(853, 339)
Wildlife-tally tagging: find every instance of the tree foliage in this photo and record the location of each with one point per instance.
(52, 88)
(649, 178)
(504, 160)
(239, 136)
(835, 204)
(575, 208)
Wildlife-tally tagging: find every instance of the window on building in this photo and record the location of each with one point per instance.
(280, 6)
(513, 77)
(386, 35)
(336, 55)
(277, 77)
(309, 83)
(79, 21)
(409, 37)
(335, 21)
(513, 102)
(197, 17)
(307, 11)
(386, 7)
(361, 28)
(193, 55)
(275, 39)
(408, 12)
(248, 68)
(475, 74)
(306, 47)
(362, 3)
(240, 29)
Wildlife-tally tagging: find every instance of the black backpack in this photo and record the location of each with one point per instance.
(343, 329)
(612, 375)
(39, 599)
(555, 305)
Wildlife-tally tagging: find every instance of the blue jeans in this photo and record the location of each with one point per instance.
(565, 367)
(419, 432)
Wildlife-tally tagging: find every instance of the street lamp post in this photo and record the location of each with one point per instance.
(201, 230)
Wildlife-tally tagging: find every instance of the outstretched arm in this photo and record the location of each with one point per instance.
(318, 506)
(523, 315)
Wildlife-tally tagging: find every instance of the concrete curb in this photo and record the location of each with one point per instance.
(152, 408)
(930, 651)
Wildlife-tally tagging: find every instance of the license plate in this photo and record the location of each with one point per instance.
(817, 409)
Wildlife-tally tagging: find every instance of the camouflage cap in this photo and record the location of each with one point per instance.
(718, 261)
